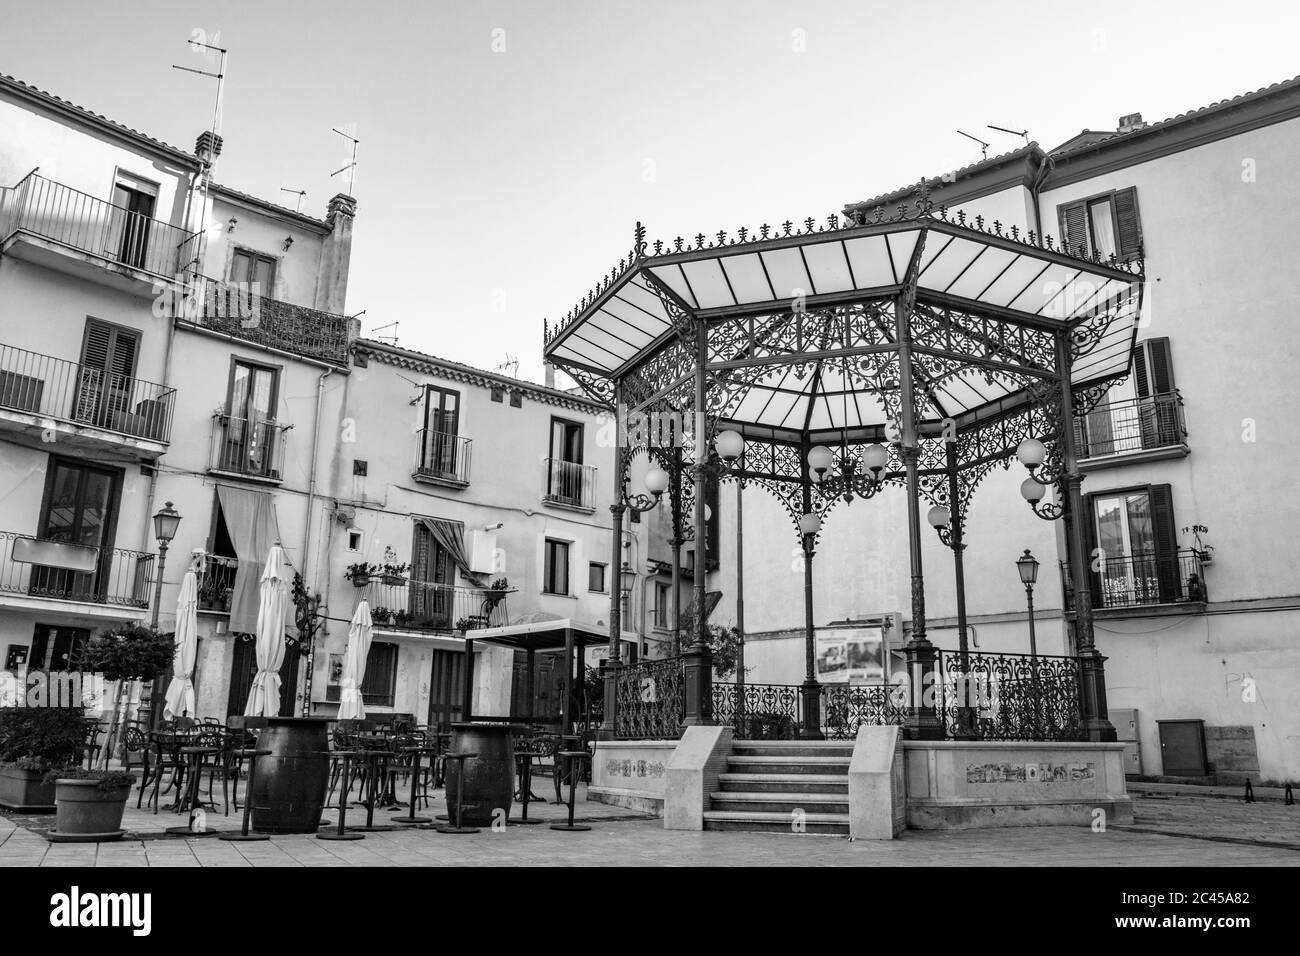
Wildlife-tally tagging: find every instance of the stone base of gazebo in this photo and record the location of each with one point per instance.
(958, 785)
(631, 774)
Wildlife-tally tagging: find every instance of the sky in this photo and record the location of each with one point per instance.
(507, 149)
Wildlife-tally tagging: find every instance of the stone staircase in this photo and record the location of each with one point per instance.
(767, 780)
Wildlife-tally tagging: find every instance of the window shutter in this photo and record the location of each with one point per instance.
(1166, 539)
(1160, 363)
(1089, 545)
(98, 343)
(124, 348)
(1141, 380)
(1127, 224)
(1074, 227)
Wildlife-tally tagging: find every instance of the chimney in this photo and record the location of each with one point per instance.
(550, 374)
(336, 253)
(208, 147)
(1131, 122)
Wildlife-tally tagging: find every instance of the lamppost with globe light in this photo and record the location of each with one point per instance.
(165, 523)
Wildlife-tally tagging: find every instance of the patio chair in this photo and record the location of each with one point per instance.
(136, 744)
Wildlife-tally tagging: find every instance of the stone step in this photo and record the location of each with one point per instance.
(810, 803)
(792, 748)
(752, 820)
(793, 764)
(784, 783)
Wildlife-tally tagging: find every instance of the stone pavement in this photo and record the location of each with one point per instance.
(1177, 813)
(621, 838)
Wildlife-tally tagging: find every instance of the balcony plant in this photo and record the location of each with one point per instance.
(495, 594)
(89, 804)
(1204, 552)
(361, 573)
(33, 741)
(381, 615)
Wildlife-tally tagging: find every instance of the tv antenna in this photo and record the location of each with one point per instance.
(983, 145)
(510, 366)
(350, 168)
(390, 339)
(297, 192)
(1014, 132)
(220, 77)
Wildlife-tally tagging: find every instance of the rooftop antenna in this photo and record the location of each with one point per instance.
(350, 168)
(510, 366)
(297, 192)
(214, 129)
(983, 145)
(390, 339)
(1014, 132)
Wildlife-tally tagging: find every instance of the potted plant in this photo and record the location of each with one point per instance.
(1205, 552)
(126, 653)
(495, 594)
(90, 804)
(381, 615)
(33, 741)
(393, 573)
(361, 573)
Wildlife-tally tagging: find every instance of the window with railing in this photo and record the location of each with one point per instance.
(1142, 578)
(217, 583)
(251, 448)
(1143, 412)
(80, 394)
(569, 483)
(123, 231)
(442, 456)
(63, 571)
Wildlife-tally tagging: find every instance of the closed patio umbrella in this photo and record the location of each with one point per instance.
(179, 701)
(354, 664)
(264, 696)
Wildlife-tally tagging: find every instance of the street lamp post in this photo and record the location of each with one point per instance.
(165, 523)
(1027, 565)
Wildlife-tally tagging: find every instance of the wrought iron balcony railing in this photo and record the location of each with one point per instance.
(253, 449)
(1136, 424)
(217, 584)
(66, 391)
(1141, 579)
(443, 456)
(569, 483)
(398, 603)
(977, 696)
(248, 314)
(66, 216)
(61, 571)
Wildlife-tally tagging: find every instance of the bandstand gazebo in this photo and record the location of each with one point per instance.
(911, 347)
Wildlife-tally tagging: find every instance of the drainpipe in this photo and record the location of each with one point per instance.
(1044, 171)
(306, 535)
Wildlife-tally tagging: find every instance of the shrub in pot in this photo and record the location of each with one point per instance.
(90, 803)
(33, 741)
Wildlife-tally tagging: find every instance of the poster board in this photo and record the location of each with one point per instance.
(852, 655)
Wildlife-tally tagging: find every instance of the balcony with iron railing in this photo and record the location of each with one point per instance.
(56, 225)
(401, 604)
(441, 458)
(569, 484)
(33, 567)
(245, 448)
(1142, 579)
(1142, 428)
(217, 583)
(246, 313)
(93, 408)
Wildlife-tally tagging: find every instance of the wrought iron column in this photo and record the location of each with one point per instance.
(811, 689)
(922, 722)
(965, 711)
(740, 598)
(1092, 673)
(698, 659)
(608, 718)
(675, 500)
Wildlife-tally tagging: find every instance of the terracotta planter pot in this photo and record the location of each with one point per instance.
(87, 812)
(360, 580)
(22, 790)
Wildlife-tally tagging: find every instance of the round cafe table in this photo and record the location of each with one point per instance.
(415, 751)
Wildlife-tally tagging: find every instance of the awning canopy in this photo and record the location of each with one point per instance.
(544, 635)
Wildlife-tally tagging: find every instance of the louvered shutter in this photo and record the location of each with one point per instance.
(1160, 363)
(1165, 534)
(1141, 380)
(1127, 224)
(1074, 227)
(1089, 546)
(97, 345)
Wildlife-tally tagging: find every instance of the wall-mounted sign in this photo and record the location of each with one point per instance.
(851, 655)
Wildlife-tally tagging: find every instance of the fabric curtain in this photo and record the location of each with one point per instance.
(251, 522)
(450, 536)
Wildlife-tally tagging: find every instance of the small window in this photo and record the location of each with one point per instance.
(354, 540)
(516, 399)
(379, 685)
(498, 394)
(360, 467)
(663, 604)
(254, 271)
(555, 574)
(1104, 225)
(596, 577)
